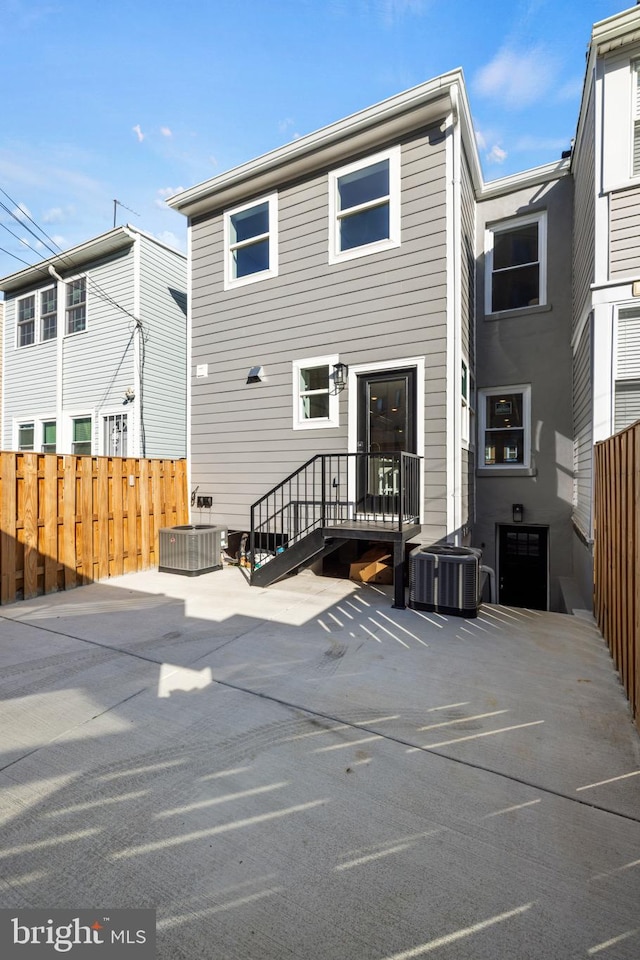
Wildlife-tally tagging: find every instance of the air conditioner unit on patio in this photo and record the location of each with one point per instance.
(191, 549)
(445, 579)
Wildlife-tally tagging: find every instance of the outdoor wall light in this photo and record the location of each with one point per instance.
(517, 510)
(340, 371)
(256, 375)
(129, 395)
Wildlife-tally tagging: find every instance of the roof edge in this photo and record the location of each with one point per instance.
(525, 178)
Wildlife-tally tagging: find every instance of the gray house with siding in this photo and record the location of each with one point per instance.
(95, 350)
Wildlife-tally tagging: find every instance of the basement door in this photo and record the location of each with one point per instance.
(386, 424)
(523, 566)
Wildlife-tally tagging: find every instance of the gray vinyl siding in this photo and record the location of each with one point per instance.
(584, 215)
(29, 377)
(163, 277)
(379, 307)
(624, 213)
(582, 431)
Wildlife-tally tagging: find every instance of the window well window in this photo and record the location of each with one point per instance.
(315, 398)
(81, 443)
(505, 427)
(364, 206)
(27, 321)
(77, 305)
(251, 242)
(516, 267)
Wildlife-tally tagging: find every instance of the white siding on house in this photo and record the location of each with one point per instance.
(381, 307)
(163, 314)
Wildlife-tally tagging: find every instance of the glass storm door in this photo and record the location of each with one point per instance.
(386, 425)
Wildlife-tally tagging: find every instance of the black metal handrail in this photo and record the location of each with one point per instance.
(333, 489)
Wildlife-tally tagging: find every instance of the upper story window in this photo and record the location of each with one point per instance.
(27, 321)
(76, 312)
(505, 426)
(364, 206)
(516, 274)
(49, 314)
(315, 398)
(251, 242)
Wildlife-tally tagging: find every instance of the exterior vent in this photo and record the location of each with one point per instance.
(445, 579)
(191, 549)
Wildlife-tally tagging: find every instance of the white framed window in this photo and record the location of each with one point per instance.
(81, 435)
(26, 328)
(364, 206)
(516, 264)
(505, 427)
(466, 403)
(49, 313)
(626, 406)
(251, 242)
(315, 397)
(26, 436)
(48, 436)
(76, 306)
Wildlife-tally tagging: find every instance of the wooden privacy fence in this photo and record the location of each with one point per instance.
(617, 554)
(68, 520)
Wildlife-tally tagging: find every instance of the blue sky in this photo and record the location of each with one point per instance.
(133, 101)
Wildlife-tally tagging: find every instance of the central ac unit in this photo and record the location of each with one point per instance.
(445, 579)
(191, 549)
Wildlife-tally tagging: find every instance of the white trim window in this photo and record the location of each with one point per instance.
(505, 427)
(364, 206)
(49, 436)
(516, 264)
(37, 434)
(37, 317)
(81, 433)
(251, 242)
(26, 435)
(26, 326)
(626, 405)
(76, 308)
(315, 397)
(49, 313)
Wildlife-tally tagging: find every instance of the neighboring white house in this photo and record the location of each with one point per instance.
(94, 358)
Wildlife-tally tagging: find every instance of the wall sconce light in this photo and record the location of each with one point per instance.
(517, 510)
(129, 395)
(256, 375)
(340, 371)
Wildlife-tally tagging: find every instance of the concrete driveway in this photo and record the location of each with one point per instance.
(303, 772)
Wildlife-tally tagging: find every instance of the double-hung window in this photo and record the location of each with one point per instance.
(626, 407)
(505, 417)
(516, 264)
(48, 313)
(27, 321)
(76, 305)
(315, 397)
(48, 436)
(251, 242)
(364, 206)
(26, 436)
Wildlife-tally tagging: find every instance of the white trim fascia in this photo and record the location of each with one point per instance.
(621, 283)
(189, 358)
(409, 110)
(546, 173)
(602, 387)
(601, 200)
(377, 367)
(230, 283)
(617, 30)
(453, 310)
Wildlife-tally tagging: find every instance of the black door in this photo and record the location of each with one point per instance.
(386, 425)
(522, 565)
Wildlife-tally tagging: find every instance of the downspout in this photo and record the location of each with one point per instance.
(453, 433)
(60, 301)
(138, 348)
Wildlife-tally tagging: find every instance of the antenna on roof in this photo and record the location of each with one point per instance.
(116, 204)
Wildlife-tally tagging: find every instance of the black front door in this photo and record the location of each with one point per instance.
(522, 565)
(386, 425)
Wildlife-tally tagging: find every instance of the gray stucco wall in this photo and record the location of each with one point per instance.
(532, 346)
(385, 306)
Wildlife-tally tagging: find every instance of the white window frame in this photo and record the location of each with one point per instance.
(67, 287)
(41, 316)
(317, 423)
(502, 226)
(26, 422)
(336, 255)
(230, 282)
(626, 368)
(525, 390)
(466, 401)
(21, 324)
(83, 415)
(37, 423)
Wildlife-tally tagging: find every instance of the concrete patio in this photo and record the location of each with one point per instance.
(303, 772)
